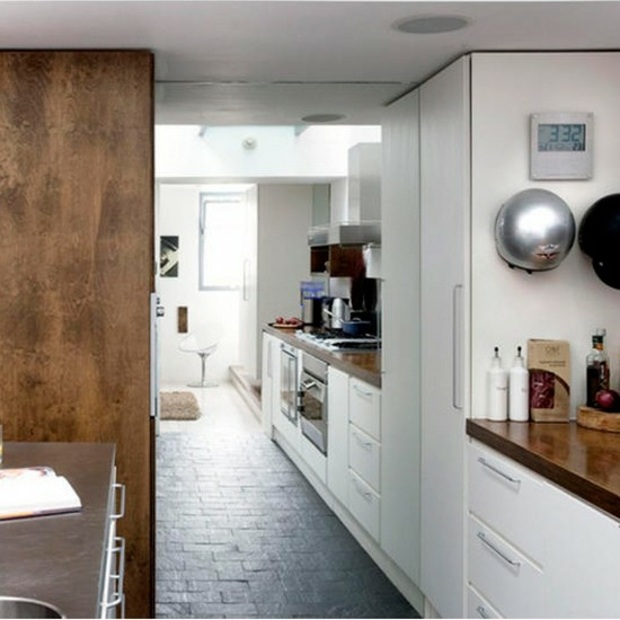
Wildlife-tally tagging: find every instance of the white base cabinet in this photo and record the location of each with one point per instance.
(535, 550)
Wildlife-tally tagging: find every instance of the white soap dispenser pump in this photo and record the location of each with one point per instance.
(519, 390)
(497, 389)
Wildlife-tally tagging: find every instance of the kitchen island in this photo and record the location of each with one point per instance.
(584, 461)
(362, 365)
(59, 559)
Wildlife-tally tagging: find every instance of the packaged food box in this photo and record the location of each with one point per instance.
(548, 362)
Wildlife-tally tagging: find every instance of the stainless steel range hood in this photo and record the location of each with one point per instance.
(345, 233)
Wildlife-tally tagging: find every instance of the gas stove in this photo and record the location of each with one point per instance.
(337, 340)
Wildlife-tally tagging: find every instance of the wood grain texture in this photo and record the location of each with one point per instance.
(597, 419)
(76, 211)
(585, 462)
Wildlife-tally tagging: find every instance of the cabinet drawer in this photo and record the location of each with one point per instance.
(478, 606)
(506, 578)
(509, 498)
(364, 504)
(365, 407)
(365, 456)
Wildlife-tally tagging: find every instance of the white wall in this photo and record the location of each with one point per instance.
(284, 216)
(510, 306)
(178, 215)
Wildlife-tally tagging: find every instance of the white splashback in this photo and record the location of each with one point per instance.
(509, 305)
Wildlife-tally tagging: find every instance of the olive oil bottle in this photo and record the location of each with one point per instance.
(597, 367)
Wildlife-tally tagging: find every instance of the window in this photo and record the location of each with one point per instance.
(223, 233)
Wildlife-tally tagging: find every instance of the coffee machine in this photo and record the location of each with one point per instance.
(311, 295)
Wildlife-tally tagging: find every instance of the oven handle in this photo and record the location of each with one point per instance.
(308, 385)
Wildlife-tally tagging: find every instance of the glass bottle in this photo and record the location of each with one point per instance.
(597, 368)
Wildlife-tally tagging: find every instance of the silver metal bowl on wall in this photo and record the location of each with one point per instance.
(534, 230)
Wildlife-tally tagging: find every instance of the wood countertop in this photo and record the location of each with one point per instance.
(583, 461)
(58, 559)
(362, 365)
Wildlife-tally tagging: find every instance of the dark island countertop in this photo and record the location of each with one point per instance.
(362, 365)
(584, 461)
(58, 559)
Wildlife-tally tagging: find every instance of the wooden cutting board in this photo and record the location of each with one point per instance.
(597, 419)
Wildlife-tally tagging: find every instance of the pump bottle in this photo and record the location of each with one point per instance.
(518, 390)
(497, 389)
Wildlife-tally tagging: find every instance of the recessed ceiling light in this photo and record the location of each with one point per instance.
(431, 24)
(322, 118)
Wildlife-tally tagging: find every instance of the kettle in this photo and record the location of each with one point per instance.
(339, 312)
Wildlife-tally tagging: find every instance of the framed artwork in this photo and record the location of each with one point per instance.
(169, 257)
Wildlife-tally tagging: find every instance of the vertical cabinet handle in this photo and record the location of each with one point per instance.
(121, 511)
(457, 346)
(246, 270)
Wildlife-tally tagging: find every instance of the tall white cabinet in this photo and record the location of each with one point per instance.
(400, 432)
(444, 200)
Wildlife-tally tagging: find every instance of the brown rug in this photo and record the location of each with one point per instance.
(178, 406)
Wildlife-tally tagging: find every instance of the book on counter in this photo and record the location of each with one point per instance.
(33, 491)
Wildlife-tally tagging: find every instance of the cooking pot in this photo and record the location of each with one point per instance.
(356, 327)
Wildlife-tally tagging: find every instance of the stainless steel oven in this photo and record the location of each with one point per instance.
(313, 405)
(289, 382)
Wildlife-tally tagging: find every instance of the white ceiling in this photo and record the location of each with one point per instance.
(271, 62)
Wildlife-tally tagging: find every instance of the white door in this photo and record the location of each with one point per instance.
(248, 334)
(444, 154)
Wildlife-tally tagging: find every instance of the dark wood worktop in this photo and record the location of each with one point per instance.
(58, 559)
(585, 462)
(362, 365)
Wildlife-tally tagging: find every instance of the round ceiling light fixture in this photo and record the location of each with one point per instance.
(431, 24)
(322, 118)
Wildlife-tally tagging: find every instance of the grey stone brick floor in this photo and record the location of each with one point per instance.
(242, 534)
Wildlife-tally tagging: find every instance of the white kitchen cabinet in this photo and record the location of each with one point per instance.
(534, 549)
(507, 497)
(510, 581)
(400, 333)
(444, 184)
(365, 407)
(338, 435)
(365, 456)
(478, 606)
(364, 504)
(583, 559)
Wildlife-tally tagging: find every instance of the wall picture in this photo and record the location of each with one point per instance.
(169, 257)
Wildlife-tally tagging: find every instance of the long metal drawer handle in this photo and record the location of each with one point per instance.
(499, 552)
(367, 495)
(365, 444)
(482, 612)
(498, 471)
(361, 392)
(121, 513)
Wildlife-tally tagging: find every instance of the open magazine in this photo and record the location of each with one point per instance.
(32, 491)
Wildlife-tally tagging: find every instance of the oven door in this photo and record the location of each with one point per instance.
(313, 409)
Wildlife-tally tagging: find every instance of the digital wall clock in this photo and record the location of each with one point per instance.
(561, 145)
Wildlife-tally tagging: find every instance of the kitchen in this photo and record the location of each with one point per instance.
(435, 506)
